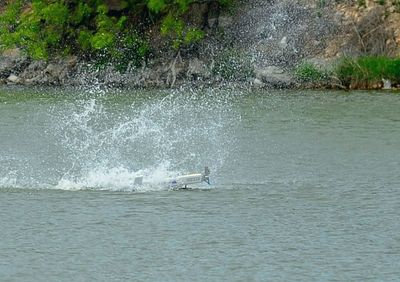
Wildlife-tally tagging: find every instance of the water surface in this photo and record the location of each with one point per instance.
(305, 186)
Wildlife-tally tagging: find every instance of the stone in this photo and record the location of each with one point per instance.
(274, 76)
(283, 43)
(258, 83)
(13, 53)
(261, 73)
(53, 69)
(225, 22)
(197, 68)
(13, 79)
(34, 72)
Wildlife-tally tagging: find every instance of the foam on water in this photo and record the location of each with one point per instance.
(104, 141)
(8, 182)
(116, 179)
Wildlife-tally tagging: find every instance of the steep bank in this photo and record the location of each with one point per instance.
(257, 42)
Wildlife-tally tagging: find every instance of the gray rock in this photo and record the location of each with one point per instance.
(197, 69)
(36, 80)
(283, 43)
(225, 22)
(57, 72)
(13, 79)
(34, 69)
(263, 73)
(274, 77)
(54, 70)
(258, 83)
(34, 72)
(13, 53)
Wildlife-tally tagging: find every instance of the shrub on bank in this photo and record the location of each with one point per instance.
(309, 73)
(368, 72)
(45, 28)
(48, 28)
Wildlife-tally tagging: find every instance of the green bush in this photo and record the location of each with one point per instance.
(179, 34)
(364, 72)
(309, 73)
(44, 27)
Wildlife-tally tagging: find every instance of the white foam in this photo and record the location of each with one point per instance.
(117, 179)
(98, 144)
(8, 182)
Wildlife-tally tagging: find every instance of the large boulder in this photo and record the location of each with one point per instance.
(13, 79)
(273, 76)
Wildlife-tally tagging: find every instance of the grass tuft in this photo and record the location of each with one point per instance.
(368, 72)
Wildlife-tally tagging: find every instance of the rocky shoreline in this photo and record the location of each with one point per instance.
(261, 45)
(16, 69)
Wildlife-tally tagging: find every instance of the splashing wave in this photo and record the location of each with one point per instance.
(104, 141)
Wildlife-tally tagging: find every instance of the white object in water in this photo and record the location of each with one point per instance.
(182, 181)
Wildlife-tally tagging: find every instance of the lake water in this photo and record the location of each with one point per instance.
(305, 186)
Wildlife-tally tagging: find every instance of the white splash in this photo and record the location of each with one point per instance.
(117, 179)
(8, 182)
(104, 142)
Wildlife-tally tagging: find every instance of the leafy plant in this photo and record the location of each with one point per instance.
(308, 72)
(179, 34)
(367, 71)
(48, 28)
(51, 27)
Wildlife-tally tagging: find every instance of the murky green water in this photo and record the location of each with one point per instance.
(305, 186)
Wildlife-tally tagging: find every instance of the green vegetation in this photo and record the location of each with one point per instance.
(44, 28)
(48, 28)
(308, 73)
(366, 72)
(362, 3)
(175, 30)
(396, 4)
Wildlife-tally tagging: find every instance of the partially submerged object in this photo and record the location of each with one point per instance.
(181, 181)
